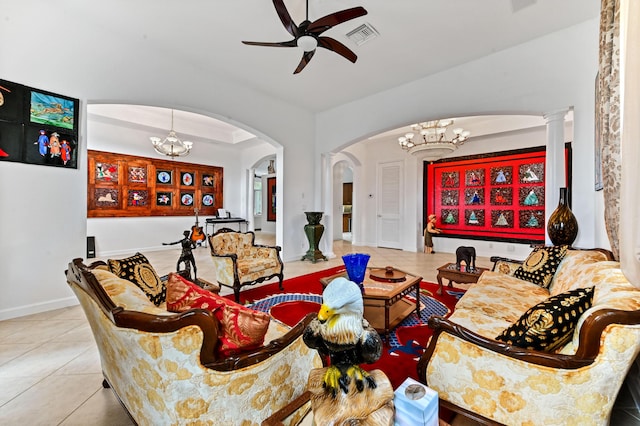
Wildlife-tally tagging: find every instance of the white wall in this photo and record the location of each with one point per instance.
(44, 215)
(550, 73)
(43, 209)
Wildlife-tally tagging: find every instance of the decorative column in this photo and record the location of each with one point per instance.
(555, 171)
(326, 179)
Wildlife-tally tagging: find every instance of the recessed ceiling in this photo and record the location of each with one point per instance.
(185, 123)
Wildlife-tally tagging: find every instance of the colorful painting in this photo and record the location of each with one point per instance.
(164, 199)
(271, 199)
(531, 196)
(37, 127)
(104, 197)
(533, 219)
(498, 197)
(208, 180)
(186, 199)
(532, 173)
(10, 141)
(52, 110)
(187, 178)
(451, 180)
(138, 197)
(11, 101)
(502, 218)
(137, 174)
(449, 198)
(502, 175)
(449, 216)
(164, 177)
(474, 196)
(106, 172)
(474, 177)
(50, 147)
(474, 217)
(501, 196)
(208, 200)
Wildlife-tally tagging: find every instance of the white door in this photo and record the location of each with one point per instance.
(390, 200)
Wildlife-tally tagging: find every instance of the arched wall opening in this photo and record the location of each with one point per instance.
(126, 129)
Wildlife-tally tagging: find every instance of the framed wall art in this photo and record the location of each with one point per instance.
(37, 126)
(498, 196)
(126, 185)
(271, 199)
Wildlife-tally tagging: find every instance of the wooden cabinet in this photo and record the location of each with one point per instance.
(122, 185)
(346, 222)
(347, 193)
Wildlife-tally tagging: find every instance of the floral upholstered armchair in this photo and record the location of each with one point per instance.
(240, 262)
(164, 366)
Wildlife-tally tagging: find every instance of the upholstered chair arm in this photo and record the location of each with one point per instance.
(505, 265)
(263, 353)
(276, 248)
(225, 266)
(441, 325)
(471, 372)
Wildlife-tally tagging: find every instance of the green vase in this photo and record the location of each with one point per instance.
(562, 226)
(314, 230)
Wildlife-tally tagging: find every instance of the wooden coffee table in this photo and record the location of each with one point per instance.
(384, 303)
(451, 273)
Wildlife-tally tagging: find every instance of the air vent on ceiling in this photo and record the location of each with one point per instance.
(362, 34)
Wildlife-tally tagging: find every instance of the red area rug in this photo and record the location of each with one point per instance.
(401, 351)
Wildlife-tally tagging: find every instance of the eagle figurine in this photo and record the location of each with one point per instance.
(341, 333)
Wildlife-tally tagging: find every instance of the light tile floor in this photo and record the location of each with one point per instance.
(50, 369)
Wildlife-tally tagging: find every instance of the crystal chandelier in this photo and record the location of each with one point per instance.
(434, 143)
(171, 145)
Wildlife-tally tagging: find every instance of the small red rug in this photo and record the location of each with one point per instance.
(400, 354)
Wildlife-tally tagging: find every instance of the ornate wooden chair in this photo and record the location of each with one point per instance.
(240, 262)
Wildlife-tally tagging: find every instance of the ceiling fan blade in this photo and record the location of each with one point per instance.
(336, 46)
(291, 43)
(306, 57)
(285, 17)
(323, 24)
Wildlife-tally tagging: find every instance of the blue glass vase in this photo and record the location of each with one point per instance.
(356, 264)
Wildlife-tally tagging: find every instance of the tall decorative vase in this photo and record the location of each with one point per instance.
(356, 266)
(314, 230)
(562, 226)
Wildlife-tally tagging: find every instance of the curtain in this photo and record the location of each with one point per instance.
(630, 137)
(608, 113)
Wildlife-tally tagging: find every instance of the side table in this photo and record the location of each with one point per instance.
(453, 274)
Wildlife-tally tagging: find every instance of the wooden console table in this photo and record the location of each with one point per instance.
(453, 274)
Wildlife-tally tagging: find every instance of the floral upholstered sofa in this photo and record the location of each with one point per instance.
(240, 262)
(481, 362)
(165, 367)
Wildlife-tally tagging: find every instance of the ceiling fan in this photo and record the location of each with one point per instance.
(307, 34)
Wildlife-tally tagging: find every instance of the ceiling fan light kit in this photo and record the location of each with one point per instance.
(307, 35)
(307, 43)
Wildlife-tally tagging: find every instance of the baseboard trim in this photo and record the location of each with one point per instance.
(37, 308)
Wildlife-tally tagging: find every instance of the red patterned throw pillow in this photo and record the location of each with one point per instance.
(241, 328)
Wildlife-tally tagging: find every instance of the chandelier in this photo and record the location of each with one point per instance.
(434, 143)
(171, 145)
